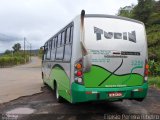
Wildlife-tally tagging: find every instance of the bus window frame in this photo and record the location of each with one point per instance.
(59, 46)
(55, 39)
(48, 50)
(69, 42)
(63, 40)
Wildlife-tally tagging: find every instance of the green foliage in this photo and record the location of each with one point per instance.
(16, 47)
(126, 11)
(148, 11)
(154, 19)
(8, 60)
(40, 53)
(154, 81)
(154, 53)
(154, 68)
(8, 52)
(143, 10)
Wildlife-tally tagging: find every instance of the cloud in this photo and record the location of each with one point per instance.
(38, 20)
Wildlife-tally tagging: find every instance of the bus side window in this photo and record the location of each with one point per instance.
(48, 51)
(68, 46)
(45, 51)
(63, 38)
(50, 48)
(60, 49)
(59, 40)
(53, 49)
(53, 43)
(50, 44)
(71, 35)
(67, 53)
(67, 35)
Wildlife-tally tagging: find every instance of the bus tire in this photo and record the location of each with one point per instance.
(58, 97)
(43, 79)
(139, 99)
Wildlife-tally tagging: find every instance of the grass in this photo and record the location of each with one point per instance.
(154, 81)
(8, 60)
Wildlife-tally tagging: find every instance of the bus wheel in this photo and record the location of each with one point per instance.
(58, 97)
(43, 79)
(139, 99)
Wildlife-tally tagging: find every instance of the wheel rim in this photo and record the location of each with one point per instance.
(57, 95)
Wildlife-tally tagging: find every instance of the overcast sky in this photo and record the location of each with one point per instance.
(38, 20)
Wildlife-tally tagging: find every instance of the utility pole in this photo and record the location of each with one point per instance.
(24, 49)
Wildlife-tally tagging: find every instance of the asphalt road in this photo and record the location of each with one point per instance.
(43, 105)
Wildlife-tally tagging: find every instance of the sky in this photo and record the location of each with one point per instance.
(38, 20)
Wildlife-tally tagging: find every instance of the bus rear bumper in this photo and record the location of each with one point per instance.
(81, 94)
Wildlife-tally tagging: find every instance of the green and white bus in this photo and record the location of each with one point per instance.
(97, 57)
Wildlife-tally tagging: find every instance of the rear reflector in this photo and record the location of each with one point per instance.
(88, 92)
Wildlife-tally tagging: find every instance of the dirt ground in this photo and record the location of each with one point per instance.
(20, 80)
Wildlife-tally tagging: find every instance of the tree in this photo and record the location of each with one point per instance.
(8, 52)
(16, 47)
(143, 10)
(126, 11)
(157, 6)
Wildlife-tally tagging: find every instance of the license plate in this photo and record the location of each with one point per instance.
(115, 94)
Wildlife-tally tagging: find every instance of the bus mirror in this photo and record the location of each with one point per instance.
(87, 63)
(42, 47)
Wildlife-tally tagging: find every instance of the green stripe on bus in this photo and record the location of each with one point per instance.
(63, 82)
(98, 74)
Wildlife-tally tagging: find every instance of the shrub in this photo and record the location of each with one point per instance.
(155, 81)
(154, 68)
(7, 61)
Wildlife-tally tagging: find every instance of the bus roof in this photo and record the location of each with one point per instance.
(113, 16)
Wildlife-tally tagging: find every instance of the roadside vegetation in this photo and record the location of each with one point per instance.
(154, 81)
(148, 11)
(40, 53)
(15, 57)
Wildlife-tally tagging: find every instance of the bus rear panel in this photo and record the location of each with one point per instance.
(118, 54)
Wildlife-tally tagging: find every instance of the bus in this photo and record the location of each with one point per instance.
(97, 57)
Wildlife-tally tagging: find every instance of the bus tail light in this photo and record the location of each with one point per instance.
(78, 66)
(78, 72)
(146, 71)
(88, 92)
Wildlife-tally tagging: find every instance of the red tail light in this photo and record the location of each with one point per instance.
(79, 73)
(88, 92)
(146, 71)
